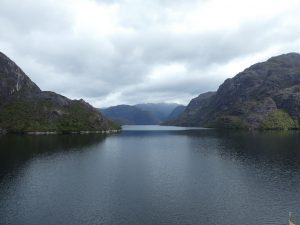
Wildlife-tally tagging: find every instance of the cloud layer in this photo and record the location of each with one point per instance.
(128, 51)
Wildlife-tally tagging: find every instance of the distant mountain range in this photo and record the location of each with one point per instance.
(161, 111)
(143, 114)
(129, 115)
(263, 96)
(24, 108)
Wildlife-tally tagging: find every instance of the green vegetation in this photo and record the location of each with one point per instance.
(25, 108)
(279, 120)
(22, 116)
(44, 116)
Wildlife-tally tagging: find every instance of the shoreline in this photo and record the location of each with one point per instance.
(4, 132)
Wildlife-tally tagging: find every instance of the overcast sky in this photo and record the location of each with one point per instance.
(110, 52)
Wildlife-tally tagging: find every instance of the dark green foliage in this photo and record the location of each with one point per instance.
(43, 116)
(278, 120)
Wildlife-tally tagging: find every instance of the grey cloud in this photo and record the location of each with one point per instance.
(40, 36)
(30, 15)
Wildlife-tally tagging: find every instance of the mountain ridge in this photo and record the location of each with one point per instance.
(25, 108)
(140, 114)
(176, 112)
(265, 95)
(129, 115)
(159, 110)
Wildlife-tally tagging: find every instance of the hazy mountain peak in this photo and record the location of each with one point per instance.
(140, 114)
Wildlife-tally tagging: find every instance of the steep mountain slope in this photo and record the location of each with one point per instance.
(263, 96)
(129, 115)
(161, 111)
(194, 112)
(25, 108)
(176, 113)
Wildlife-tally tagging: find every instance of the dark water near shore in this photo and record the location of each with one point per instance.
(154, 175)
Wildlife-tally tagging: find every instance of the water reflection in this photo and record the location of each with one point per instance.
(17, 149)
(275, 146)
(150, 176)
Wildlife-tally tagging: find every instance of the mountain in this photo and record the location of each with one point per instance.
(161, 111)
(192, 114)
(25, 108)
(264, 96)
(140, 114)
(129, 115)
(176, 113)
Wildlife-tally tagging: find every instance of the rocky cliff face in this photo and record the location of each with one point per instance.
(25, 108)
(13, 80)
(264, 96)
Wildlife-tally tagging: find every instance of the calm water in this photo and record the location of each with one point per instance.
(150, 175)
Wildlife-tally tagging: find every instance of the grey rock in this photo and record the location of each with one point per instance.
(248, 99)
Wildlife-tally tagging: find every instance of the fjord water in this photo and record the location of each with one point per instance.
(151, 175)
